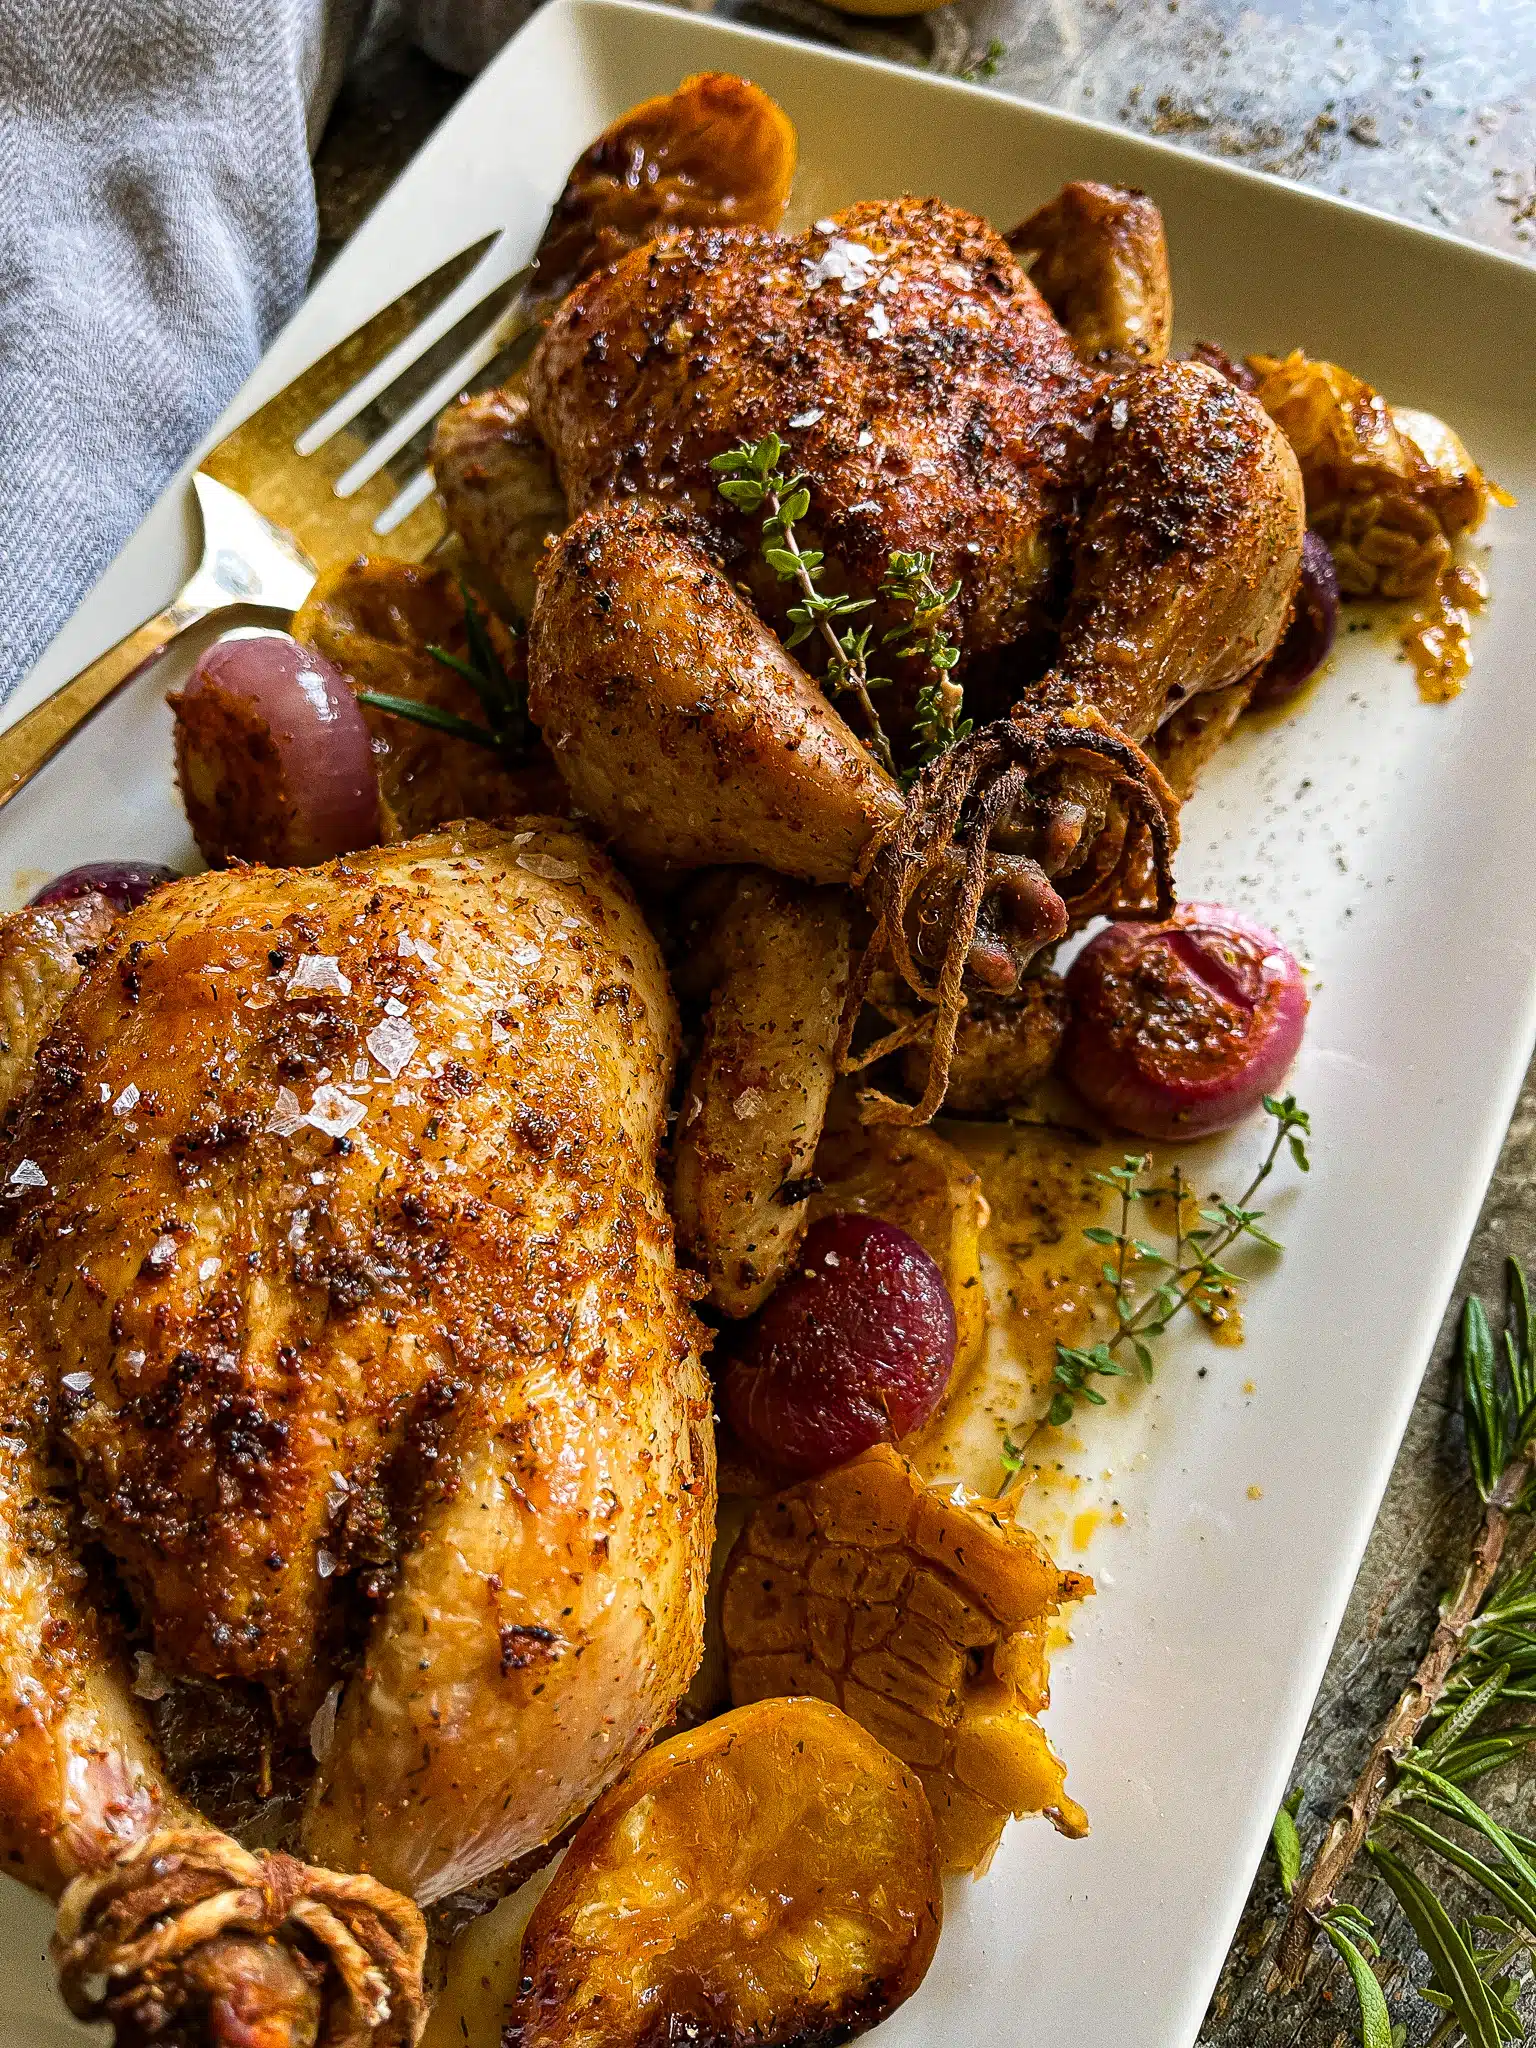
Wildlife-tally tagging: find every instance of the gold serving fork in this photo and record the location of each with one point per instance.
(330, 468)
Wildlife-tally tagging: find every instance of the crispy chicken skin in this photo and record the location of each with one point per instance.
(939, 393)
(680, 721)
(408, 1401)
(44, 950)
(946, 411)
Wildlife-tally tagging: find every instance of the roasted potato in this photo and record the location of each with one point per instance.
(771, 1877)
(1387, 488)
(914, 1179)
(924, 1618)
(755, 1102)
(376, 619)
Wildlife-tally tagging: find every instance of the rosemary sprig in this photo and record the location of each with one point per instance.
(1434, 1744)
(751, 479)
(937, 725)
(502, 696)
(1191, 1274)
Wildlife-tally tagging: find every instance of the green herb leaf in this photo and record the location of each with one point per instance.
(1455, 1966)
(429, 714)
(1375, 2020)
(1287, 1846)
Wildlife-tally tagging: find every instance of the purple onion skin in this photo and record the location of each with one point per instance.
(1181, 1029)
(273, 756)
(124, 883)
(854, 1348)
(1309, 638)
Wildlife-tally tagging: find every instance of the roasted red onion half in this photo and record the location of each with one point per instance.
(1308, 639)
(854, 1348)
(273, 755)
(1182, 1028)
(124, 883)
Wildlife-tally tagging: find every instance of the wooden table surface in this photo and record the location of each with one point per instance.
(1426, 108)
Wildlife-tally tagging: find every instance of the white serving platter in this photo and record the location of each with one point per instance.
(1387, 839)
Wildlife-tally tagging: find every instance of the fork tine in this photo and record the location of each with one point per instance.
(316, 388)
(405, 501)
(480, 286)
(257, 459)
(514, 321)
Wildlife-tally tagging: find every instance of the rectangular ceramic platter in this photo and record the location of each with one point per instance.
(1389, 840)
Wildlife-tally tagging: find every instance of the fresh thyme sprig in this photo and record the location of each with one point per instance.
(1190, 1272)
(1436, 1742)
(937, 725)
(752, 480)
(502, 696)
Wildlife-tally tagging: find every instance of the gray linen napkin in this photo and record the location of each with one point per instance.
(157, 225)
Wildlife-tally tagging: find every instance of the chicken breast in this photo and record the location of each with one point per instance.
(334, 1239)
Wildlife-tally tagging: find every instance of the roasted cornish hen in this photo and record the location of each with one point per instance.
(343, 1353)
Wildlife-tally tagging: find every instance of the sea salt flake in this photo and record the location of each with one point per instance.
(392, 1042)
(207, 1269)
(319, 974)
(325, 1564)
(548, 867)
(842, 262)
(287, 1117)
(126, 1101)
(322, 1729)
(77, 1382)
(831, 1259)
(879, 323)
(748, 1103)
(826, 227)
(521, 838)
(1119, 413)
(525, 954)
(334, 1113)
(500, 1035)
(28, 1174)
(394, 1007)
(866, 436)
(808, 418)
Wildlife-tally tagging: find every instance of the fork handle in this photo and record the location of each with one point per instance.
(34, 740)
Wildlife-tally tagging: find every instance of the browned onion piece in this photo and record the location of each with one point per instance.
(273, 756)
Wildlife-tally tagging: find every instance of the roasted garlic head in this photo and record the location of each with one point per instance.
(922, 1616)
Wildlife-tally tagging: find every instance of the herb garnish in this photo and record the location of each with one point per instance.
(752, 481)
(503, 697)
(1190, 1273)
(937, 724)
(1412, 1790)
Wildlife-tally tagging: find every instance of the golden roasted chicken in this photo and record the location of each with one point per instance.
(1122, 533)
(356, 1447)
